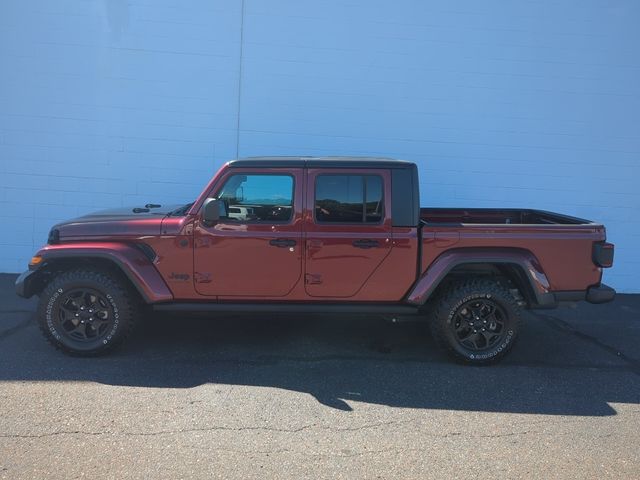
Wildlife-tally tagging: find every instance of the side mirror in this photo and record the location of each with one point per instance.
(212, 210)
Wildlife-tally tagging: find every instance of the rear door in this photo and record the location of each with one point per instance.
(348, 229)
(255, 250)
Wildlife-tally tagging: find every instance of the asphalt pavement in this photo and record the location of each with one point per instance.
(322, 397)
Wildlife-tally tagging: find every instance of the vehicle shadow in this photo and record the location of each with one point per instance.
(342, 362)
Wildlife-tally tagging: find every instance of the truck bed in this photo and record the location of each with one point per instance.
(497, 216)
(563, 244)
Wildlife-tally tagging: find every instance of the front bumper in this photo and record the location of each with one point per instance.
(27, 284)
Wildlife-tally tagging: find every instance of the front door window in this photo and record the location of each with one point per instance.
(258, 198)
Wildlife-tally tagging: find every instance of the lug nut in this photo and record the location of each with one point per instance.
(483, 329)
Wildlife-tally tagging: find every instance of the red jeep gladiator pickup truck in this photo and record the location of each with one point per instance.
(328, 235)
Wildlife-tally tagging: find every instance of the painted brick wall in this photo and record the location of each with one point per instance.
(515, 104)
(110, 103)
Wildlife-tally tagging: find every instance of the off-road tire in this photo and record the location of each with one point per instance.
(448, 315)
(119, 301)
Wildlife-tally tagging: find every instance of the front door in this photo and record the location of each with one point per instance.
(255, 249)
(348, 229)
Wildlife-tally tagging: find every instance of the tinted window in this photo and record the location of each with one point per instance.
(266, 198)
(349, 198)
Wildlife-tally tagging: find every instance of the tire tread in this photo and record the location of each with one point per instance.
(461, 289)
(129, 307)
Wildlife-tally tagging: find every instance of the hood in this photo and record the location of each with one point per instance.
(113, 222)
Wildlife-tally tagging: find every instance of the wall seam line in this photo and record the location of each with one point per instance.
(240, 79)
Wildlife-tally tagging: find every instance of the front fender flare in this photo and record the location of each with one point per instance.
(130, 260)
(524, 259)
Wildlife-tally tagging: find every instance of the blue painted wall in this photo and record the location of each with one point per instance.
(108, 103)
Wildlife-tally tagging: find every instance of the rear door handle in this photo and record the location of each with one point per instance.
(366, 243)
(282, 242)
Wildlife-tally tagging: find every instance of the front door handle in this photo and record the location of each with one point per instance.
(366, 243)
(282, 242)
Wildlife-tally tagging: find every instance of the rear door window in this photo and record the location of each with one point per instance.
(349, 199)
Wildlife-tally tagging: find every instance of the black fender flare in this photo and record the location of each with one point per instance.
(524, 260)
(131, 261)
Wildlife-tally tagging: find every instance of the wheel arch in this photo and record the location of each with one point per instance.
(520, 266)
(132, 264)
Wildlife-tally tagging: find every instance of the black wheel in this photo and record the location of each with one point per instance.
(476, 321)
(87, 313)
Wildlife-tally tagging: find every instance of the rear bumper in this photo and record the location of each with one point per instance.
(600, 294)
(26, 284)
(597, 294)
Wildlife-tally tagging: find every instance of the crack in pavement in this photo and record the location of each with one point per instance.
(444, 436)
(276, 360)
(566, 327)
(285, 430)
(204, 429)
(15, 329)
(273, 360)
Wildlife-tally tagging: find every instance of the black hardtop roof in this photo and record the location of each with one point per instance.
(321, 162)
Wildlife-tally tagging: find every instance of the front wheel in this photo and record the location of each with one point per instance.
(476, 321)
(86, 312)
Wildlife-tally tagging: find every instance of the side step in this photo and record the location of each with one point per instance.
(376, 309)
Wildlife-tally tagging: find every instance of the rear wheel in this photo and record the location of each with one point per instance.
(476, 321)
(86, 312)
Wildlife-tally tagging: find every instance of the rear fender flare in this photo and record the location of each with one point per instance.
(445, 263)
(131, 261)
